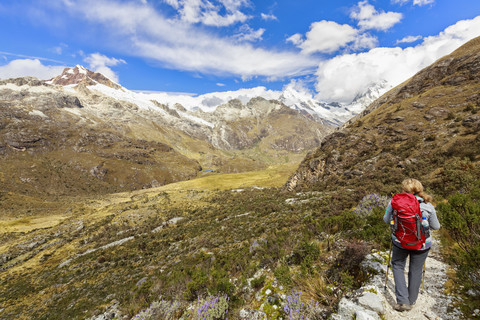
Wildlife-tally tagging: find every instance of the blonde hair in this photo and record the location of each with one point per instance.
(415, 187)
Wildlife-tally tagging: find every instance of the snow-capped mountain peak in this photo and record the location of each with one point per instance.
(79, 74)
(362, 100)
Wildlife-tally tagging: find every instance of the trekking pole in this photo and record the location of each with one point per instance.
(388, 265)
(423, 276)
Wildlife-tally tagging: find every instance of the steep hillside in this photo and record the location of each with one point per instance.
(416, 129)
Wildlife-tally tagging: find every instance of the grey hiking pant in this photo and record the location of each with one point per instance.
(404, 294)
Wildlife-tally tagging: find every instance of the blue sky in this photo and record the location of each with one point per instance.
(332, 49)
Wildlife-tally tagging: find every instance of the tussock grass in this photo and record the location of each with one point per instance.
(27, 224)
(273, 176)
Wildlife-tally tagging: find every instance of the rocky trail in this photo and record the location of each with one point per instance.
(372, 301)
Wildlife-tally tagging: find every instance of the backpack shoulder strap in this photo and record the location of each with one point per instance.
(419, 199)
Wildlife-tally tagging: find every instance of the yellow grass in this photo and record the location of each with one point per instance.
(27, 224)
(274, 176)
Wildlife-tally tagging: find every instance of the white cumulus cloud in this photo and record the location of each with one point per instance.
(343, 77)
(327, 36)
(409, 39)
(268, 17)
(369, 18)
(100, 63)
(29, 67)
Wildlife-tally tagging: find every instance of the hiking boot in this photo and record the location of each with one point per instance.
(402, 307)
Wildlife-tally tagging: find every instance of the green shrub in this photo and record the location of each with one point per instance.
(305, 255)
(375, 229)
(282, 273)
(456, 175)
(196, 286)
(347, 280)
(460, 216)
(258, 282)
(343, 222)
(221, 283)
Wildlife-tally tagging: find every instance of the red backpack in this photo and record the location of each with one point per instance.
(407, 219)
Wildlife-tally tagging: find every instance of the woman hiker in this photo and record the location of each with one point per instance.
(407, 295)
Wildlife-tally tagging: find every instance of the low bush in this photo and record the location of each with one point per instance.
(346, 271)
(258, 283)
(282, 274)
(306, 255)
(196, 286)
(460, 216)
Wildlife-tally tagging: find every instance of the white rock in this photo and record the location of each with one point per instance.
(360, 315)
(347, 309)
(372, 301)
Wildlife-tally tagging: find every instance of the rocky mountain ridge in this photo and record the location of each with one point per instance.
(293, 97)
(189, 119)
(80, 75)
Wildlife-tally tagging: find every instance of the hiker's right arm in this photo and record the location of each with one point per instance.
(388, 213)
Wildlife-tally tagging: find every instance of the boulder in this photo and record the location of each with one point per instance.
(348, 310)
(372, 301)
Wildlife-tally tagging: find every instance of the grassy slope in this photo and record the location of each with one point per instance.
(37, 245)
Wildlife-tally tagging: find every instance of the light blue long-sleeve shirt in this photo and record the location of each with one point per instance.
(427, 210)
